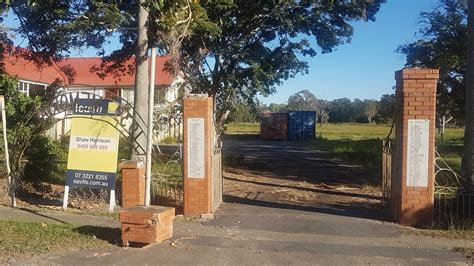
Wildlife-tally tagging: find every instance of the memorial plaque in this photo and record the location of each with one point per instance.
(195, 158)
(418, 152)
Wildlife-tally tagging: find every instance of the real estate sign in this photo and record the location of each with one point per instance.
(93, 147)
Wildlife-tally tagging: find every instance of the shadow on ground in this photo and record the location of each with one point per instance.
(295, 175)
(308, 161)
(111, 235)
(352, 210)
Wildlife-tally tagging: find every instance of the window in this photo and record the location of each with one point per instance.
(31, 89)
(36, 90)
(23, 87)
(127, 95)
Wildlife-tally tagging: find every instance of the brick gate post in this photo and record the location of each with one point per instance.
(133, 183)
(413, 172)
(197, 155)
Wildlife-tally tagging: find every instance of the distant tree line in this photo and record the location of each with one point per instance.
(341, 110)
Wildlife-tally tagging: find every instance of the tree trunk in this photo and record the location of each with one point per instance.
(140, 115)
(468, 158)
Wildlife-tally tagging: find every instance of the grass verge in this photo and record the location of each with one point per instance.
(31, 238)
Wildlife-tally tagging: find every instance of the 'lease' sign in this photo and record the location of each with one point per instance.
(93, 147)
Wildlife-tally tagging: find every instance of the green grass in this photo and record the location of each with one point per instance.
(242, 128)
(362, 143)
(169, 140)
(450, 146)
(38, 238)
(352, 131)
(358, 143)
(167, 166)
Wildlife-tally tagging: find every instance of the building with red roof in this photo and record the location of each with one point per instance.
(87, 77)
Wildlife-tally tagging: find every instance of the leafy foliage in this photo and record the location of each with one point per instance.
(243, 113)
(443, 45)
(387, 107)
(260, 43)
(46, 160)
(302, 101)
(371, 108)
(230, 49)
(52, 28)
(278, 107)
(24, 121)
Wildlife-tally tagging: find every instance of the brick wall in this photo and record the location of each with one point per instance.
(197, 191)
(416, 99)
(133, 183)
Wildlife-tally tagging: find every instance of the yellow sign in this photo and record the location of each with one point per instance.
(93, 151)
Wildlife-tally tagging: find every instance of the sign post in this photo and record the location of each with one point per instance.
(149, 142)
(11, 184)
(93, 147)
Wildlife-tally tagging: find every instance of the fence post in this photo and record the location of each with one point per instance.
(414, 158)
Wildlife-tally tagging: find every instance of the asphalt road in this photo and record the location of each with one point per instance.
(251, 235)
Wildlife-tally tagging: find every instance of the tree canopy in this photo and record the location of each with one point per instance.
(227, 48)
(443, 45)
(259, 44)
(302, 101)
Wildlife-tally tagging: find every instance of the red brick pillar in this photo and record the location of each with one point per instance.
(133, 183)
(413, 161)
(198, 139)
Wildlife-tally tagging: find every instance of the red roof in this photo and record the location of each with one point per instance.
(84, 76)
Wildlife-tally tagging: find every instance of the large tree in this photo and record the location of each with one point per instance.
(443, 45)
(302, 101)
(51, 30)
(387, 107)
(227, 48)
(371, 108)
(259, 44)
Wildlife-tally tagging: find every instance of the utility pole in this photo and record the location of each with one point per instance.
(468, 158)
(140, 115)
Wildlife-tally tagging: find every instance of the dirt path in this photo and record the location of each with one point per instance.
(291, 174)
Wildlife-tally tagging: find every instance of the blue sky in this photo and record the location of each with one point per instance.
(363, 68)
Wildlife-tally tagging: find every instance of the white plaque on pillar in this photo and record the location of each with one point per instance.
(418, 152)
(195, 157)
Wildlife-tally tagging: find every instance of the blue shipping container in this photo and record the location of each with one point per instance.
(301, 125)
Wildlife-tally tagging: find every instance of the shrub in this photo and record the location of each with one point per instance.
(46, 161)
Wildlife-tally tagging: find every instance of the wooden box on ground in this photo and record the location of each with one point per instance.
(146, 224)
